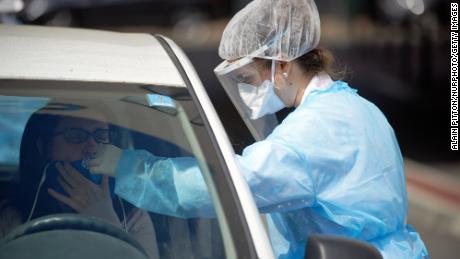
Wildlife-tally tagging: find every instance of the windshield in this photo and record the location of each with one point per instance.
(48, 126)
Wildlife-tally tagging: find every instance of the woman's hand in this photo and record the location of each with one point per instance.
(82, 192)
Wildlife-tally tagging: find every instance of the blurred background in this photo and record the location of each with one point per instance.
(395, 52)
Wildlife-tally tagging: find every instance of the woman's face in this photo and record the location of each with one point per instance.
(63, 146)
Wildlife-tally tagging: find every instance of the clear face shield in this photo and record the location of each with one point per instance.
(250, 88)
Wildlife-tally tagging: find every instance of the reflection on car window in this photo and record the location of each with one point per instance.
(14, 113)
(45, 141)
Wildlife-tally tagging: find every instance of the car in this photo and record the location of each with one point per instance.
(151, 99)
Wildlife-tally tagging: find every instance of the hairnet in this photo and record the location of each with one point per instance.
(286, 29)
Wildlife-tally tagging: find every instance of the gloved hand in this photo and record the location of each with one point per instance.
(106, 160)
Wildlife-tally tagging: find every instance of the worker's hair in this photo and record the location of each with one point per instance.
(321, 59)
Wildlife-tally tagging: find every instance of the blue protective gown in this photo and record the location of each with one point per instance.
(332, 166)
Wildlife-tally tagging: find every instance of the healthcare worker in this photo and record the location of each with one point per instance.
(332, 166)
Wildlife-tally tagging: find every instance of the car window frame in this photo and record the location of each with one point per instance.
(232, 209)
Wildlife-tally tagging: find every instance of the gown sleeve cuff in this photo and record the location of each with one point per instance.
(126, 169)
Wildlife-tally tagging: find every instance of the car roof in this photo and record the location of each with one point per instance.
(69, 54)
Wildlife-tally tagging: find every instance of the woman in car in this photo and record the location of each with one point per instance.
(50, 184)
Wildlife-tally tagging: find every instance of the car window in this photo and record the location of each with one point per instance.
(36, 118)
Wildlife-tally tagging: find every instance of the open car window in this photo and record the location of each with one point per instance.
(159, 120)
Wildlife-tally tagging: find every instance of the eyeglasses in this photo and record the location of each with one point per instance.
(78, 135)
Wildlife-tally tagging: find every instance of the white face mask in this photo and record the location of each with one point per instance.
(261, 100)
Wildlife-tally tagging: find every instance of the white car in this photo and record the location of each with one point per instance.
(151, 99)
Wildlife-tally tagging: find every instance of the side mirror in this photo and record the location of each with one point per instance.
(334, 247)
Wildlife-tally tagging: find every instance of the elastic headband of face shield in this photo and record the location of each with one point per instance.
(227, 66)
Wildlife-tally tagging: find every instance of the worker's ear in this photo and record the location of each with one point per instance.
(282, 73)
(285, 67)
